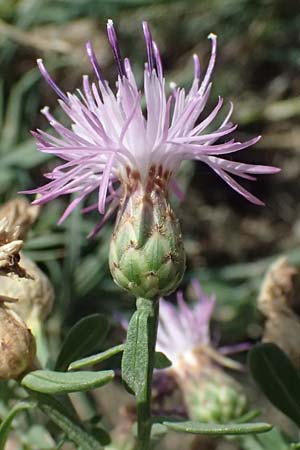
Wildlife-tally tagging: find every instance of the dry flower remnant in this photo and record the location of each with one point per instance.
(10, 246)
(33, 293)
(278, 300)
(19, 213)
(26, 293)
(17, 344)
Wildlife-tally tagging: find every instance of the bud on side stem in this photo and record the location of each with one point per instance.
(146, 254)
(209, 393)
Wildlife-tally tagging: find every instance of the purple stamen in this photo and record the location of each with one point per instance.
(113, 40)
(149, 45)
(50, 81)
(94, 62)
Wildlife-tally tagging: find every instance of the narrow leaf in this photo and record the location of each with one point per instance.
(130, 354)
(136, 364)
(6, 423)
(274, 439)
(250, 442)
(248, 416)
(216, 429)
(277, 377)
(50, 382)
(96, 359)
(83, 338)
(67, 423)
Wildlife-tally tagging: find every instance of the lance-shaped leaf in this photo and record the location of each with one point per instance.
(277, 377)
(96, 359)
(6, 423)
(217, 429)
(50, 382)
(74, 431)
(83, 338)
(160, 362)
(136, 363)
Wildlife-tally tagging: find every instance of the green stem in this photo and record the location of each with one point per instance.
(148, 312)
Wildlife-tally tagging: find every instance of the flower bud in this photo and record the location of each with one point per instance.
(209, 393)
(17, 345)
(146, 254)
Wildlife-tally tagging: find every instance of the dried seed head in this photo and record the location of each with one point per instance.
(17, 345)
(278, 300)
(10, 246)
(19, 213)
(34, 294)
(146, 254)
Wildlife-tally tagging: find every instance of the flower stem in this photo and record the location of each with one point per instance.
(138, 362)
(148, 308)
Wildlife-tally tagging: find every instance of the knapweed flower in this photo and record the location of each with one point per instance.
(111, 145)
(131, 158)
(209, 393)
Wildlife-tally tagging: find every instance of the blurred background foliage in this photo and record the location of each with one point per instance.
(229, 242)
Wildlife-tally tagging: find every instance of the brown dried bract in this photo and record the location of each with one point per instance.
(10, 246)
(278, 300)
(19, 213)
(34, 295)
(17, 345)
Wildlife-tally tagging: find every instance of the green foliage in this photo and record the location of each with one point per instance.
(267, 441)
(84, 337)
(161, 361)
(217, 429)
(7, 422)
(74, 431)
(136, 365)
(96, 359)
(277, 377)
(51, 382)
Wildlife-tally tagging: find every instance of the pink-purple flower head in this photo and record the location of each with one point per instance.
(110, 138)
(184, 330)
